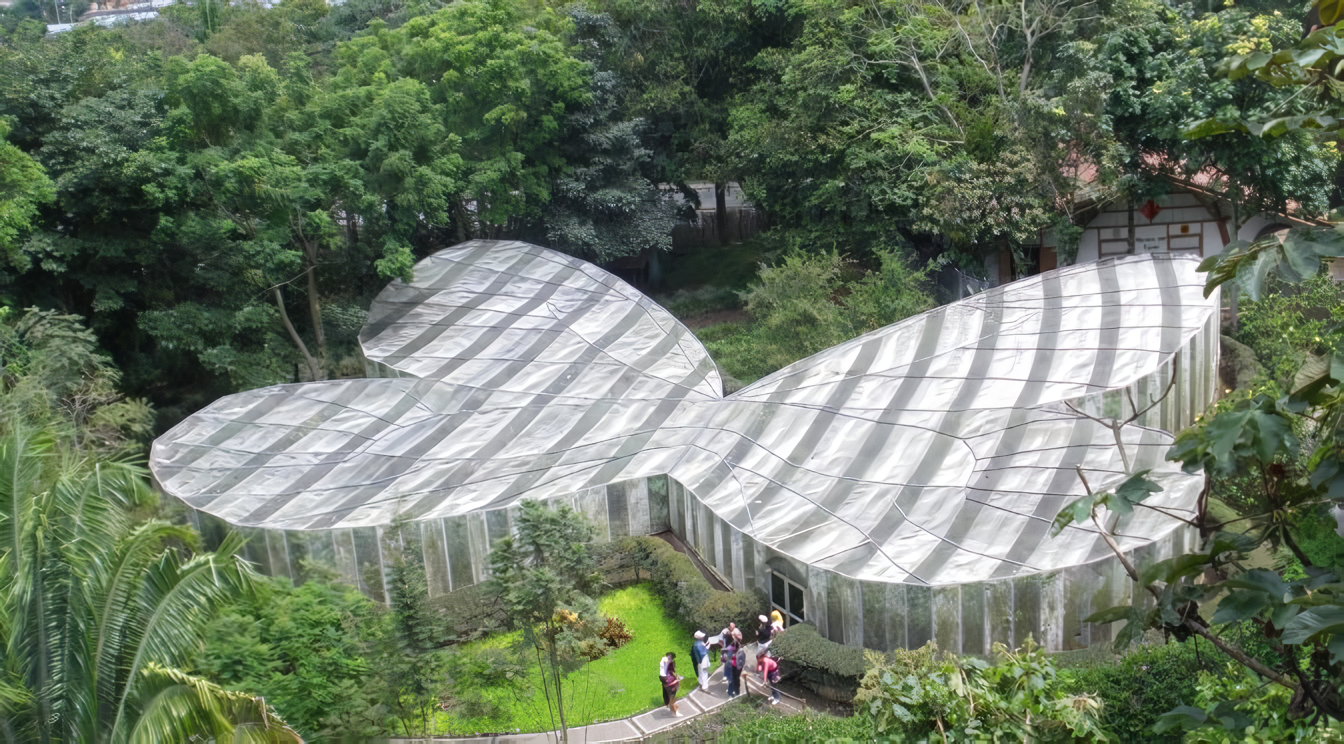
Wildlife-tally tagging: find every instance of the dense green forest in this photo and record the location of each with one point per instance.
(226, 186)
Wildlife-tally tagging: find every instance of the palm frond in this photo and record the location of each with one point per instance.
(176, 601)
(98, 615)
(117, 605)
(179, 706)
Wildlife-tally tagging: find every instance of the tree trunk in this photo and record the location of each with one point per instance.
(460, 215)
(1026, 71)
(1337, 194)
(313, 367)
(721, 211)
(545, 685)
(1130, 213)
(315, 313)
(559, 691)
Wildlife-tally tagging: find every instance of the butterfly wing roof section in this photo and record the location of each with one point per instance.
(934, 451)
(524, 373)
(939, 449)
(507, 315)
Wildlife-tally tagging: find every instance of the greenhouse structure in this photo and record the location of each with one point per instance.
(894, 489)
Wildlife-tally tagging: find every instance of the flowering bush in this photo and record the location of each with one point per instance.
(615, 633)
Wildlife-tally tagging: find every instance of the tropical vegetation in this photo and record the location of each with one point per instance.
(206, 202)
(101, 609)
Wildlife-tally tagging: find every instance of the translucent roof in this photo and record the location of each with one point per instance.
(933, 451)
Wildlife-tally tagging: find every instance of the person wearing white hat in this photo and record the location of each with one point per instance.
(700, 660)
(764, 632)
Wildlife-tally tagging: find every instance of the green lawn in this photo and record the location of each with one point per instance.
(621, 684)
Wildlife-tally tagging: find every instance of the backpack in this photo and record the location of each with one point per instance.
(740, 658)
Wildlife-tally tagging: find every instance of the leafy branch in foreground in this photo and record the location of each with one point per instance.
(1268, 462)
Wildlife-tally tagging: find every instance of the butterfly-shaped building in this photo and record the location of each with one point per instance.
(896, 488)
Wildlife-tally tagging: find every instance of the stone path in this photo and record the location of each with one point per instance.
(638, 727)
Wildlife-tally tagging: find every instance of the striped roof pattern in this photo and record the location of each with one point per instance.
(933, 451)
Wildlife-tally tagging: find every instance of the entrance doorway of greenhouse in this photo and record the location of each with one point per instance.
(787, 597)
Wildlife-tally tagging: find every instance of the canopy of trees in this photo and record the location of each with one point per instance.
(220, 191)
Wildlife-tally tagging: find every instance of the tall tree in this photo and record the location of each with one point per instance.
(546, 576)
(503, 84)
(23, 188)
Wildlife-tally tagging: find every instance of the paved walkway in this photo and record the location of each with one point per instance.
(696, 704)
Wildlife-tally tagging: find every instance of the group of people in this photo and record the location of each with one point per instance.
(733, 653)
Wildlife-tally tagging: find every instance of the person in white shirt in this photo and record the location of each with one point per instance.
(667, 677)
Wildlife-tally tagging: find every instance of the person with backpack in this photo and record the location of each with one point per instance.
(739, 662)
(726, 656)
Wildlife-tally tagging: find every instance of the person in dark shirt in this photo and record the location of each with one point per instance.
(667, 677)
(726, 656)
(763, 634)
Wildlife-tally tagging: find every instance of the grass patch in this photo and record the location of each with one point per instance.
(730, 267)
(738, 350)
(621, 684)
(692, 303)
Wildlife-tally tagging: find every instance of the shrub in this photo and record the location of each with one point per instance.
(828, 668)
(692, 303)
(765, 725)
(802, 644)
(1290, 321)
(618, 563)
(1018, 698)
(473, 677)
(469, 613)
(724, 607)
(807, 302)
(1141, 686)
(302, 648)
(737, 349)
(1315, 533)
(615, 633)
(1234, 705)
